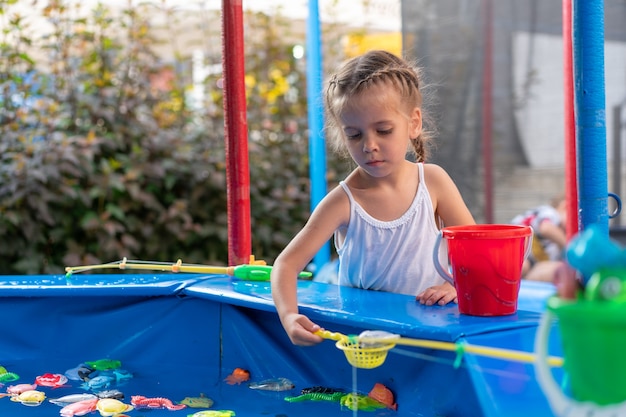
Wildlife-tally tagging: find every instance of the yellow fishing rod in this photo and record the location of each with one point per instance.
(254, 271)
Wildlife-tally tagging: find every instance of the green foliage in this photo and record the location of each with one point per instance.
(96, 164)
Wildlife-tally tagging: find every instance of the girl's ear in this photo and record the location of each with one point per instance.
(415, 124)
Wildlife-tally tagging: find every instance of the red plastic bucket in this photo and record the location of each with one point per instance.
(486, 262)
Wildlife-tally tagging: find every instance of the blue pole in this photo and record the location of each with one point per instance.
(317, 149)
(589, 91)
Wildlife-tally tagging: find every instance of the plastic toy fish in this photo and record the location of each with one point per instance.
(212, 413)
(6, 376)
(112, 393)
(31, 398)
(72, 398)
(20, 388)
(79, 408)
(237, 377)
(9, 377)
(198, 402)
(360, 402)
(321, 390)
(51, 380)
(317, 396)
(140, 401)
(79, 373)
(104, 364)
(111, 406)
(278, 384)
(383, 395)
(118, 375)
(99, 382)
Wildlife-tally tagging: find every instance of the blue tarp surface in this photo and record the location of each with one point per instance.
(181, 335)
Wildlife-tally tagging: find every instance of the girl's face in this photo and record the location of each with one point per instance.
(377, 128)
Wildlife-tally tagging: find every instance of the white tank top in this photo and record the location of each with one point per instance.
(394, 256)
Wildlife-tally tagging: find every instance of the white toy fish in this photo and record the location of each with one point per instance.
(278, 384)
(72, 398)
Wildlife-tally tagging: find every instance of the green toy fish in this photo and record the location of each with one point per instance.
(198, 402)
(104, 364)
(360, 402)
(213, 413)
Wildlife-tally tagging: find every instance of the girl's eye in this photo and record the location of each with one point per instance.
(353, 135)
(385, 132)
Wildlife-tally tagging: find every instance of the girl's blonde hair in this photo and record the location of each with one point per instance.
(360, 73)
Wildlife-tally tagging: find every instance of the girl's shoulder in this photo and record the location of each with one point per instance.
(435, 174)
(335, 202)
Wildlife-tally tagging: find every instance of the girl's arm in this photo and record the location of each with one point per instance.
(329, 215)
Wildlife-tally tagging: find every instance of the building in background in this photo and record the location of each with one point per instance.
(528, 141)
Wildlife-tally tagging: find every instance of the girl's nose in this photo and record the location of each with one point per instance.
(369, 145)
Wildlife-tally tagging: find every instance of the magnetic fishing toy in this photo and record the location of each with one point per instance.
(369, 349)
(256, 270)
(591, 321)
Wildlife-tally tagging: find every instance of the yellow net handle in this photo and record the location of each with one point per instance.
(499, 353)
(333, 336)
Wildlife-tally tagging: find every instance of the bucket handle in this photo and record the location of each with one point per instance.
(529, 243)
(440, 269)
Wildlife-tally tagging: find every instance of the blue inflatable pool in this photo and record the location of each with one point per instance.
(181, 335)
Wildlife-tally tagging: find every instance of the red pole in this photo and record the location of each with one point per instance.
(571, 192)
(487, 114)
(235, 134)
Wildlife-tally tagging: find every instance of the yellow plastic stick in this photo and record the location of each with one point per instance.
(333, 335)
(499, 353)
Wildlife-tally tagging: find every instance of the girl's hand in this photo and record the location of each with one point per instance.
(301, 330)
(438, 294)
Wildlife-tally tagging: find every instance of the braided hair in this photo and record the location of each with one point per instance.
(360, 73)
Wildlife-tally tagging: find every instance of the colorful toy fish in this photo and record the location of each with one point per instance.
(318, 393)
(198, 402)
(104, 364)
(20, 388)
(140, 401)
(31, 398)
(51, 380)
(237, 377)
(6, 376)
(383, 395)
(72, 398)
(79, 373)
(118, 375)
(79, 408)
(9, 377)
(317, 396)
(278, 384)
(99, 382)
(112, 407)
(321, 390)
(212, 413)
(112, 393)
(360, 402)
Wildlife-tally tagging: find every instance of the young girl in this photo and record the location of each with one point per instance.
(386, 215)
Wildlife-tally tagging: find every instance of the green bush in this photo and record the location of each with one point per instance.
(96, 164)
